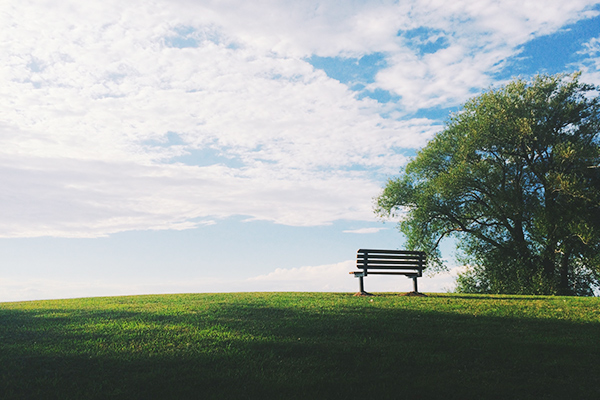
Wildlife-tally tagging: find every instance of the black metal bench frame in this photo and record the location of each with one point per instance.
(389, 262)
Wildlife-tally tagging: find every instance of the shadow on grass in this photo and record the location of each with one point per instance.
(257, 349)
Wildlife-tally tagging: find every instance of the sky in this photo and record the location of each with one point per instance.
(179, 146)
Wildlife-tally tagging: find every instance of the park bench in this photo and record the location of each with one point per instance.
(389, 262)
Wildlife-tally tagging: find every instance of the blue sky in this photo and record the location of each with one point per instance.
(214, 146)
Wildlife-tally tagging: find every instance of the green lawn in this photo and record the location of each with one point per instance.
(301, 345)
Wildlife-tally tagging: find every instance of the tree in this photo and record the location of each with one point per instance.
(515, 177)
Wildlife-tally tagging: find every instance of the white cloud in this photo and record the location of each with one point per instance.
(322, 278)
(332, 277)
(480, 37)
(590, 66)
(89, 105)
(364, 230)
(91, 91)
(72, 198)
(591, 47)
(325, 278)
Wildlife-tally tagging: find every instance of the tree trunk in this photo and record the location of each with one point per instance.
(564, 288)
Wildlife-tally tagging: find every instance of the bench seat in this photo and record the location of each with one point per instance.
(389, 262)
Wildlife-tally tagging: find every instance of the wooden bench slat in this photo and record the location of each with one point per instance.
(387, 257)
(395, 262)
(411, 267)
(392, 273)
(377, 251)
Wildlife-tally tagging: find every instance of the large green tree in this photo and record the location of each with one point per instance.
(514, 177)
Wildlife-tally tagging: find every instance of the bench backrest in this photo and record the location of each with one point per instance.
(390, 259)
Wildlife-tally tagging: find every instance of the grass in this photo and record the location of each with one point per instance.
(301, 346)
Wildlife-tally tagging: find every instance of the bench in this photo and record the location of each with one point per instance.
(389, 262)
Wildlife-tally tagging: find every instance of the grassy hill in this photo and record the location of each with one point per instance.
(301, 345)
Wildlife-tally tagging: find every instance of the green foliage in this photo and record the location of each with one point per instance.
(514, 176)
(300, 346)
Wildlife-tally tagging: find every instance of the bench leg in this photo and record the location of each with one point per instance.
(362, 288)
(415, 284)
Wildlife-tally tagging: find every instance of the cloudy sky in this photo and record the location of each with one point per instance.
(207, 146)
